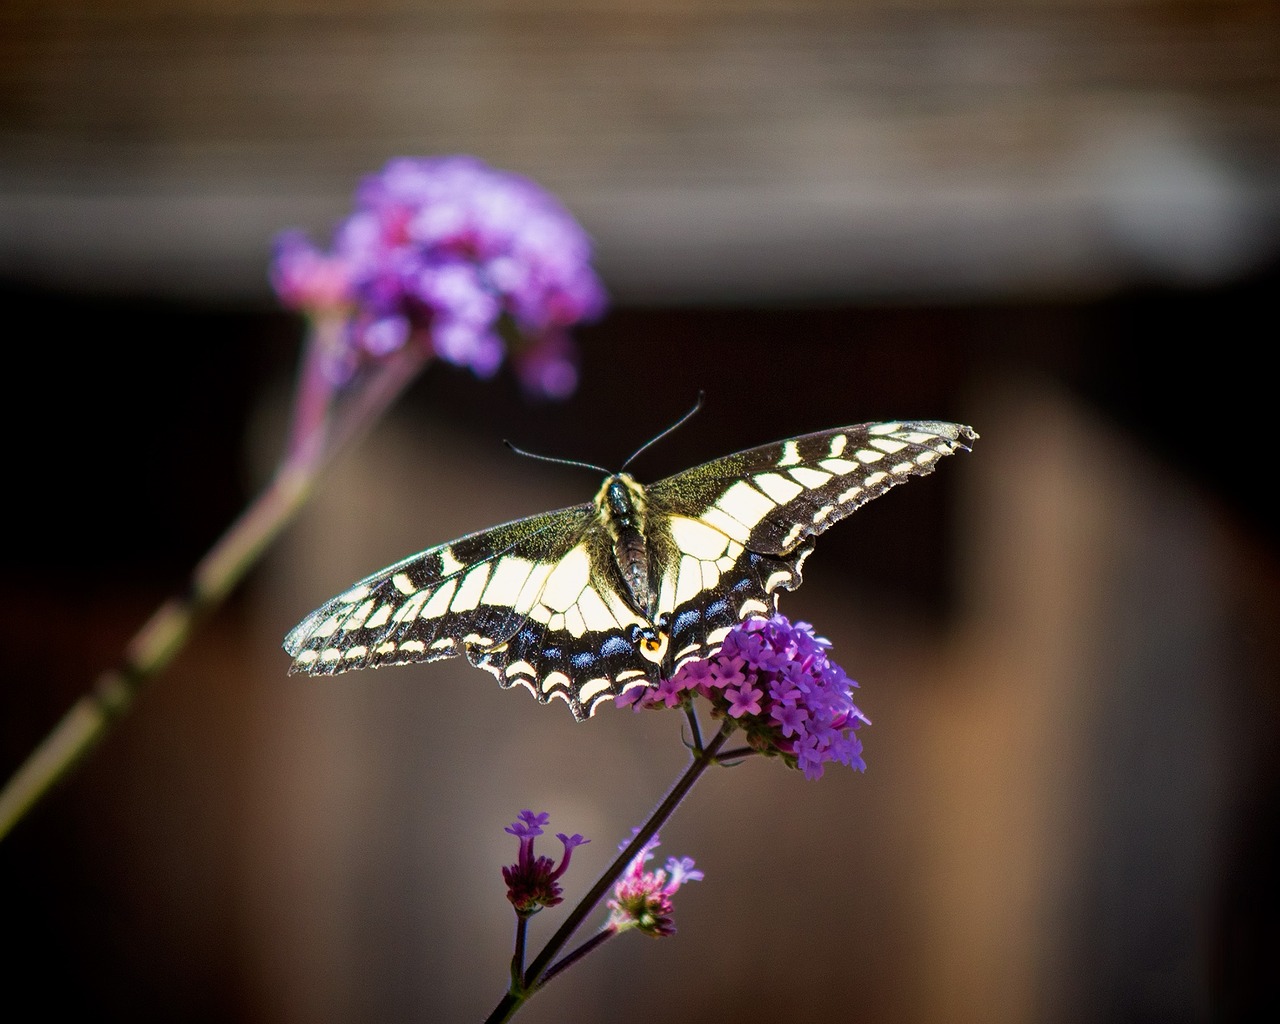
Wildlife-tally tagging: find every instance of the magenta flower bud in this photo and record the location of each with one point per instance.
(532, 882)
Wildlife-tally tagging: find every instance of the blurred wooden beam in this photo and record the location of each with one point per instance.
(781, 150)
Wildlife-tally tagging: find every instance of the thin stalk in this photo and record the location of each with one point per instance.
(565, 962)
(538, 974)
(736, 754)
(695, 728)
(517, 958)
(169, 628)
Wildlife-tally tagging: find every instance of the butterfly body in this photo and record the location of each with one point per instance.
(586, 602)
(621, 508)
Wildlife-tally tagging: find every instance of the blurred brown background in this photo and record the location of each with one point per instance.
(1056, 221)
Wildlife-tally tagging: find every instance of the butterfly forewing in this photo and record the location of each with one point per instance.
(473, 592)
(770, 498)
(736, 530)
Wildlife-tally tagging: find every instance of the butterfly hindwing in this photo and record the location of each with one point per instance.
(580, 641)
(739, 586)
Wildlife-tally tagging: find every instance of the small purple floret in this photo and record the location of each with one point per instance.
(743, 700)
(528, 824)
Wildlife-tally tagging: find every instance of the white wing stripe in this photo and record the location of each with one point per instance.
(697, 539)
(532, 589)
(689, 581)
(568, 580)
(509, 576)
(357, 618)
(595, 612)
(811, 478)
(777, 486)
(471, 589)
(745, 504)
(409, 610)
(439, 602)
(726, 524)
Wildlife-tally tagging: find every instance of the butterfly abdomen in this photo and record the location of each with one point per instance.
(622, 509)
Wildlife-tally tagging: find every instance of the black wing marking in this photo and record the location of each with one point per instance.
(736, 530)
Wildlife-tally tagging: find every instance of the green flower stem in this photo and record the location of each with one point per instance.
(538, 974)
(238, 550)
(154, 646)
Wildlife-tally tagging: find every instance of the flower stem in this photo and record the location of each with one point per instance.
(517, 958)
(737, 754)
(567, 961)
(313, 393)
(695, 730)
(155, 645)
(237, 551)
(539, 973)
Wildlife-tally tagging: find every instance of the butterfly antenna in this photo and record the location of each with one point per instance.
(675, 426)
(552, 458)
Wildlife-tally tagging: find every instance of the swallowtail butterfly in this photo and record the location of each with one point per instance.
(586, 602)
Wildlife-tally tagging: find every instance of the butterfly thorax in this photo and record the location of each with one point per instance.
(621, 507)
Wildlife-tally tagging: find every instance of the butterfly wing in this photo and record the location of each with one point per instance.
(540, 601)
(535, 601)
(731, 533)
(473, 592)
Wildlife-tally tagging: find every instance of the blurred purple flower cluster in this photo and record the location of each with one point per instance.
(453, 255)
(642, 899)
(532, 882)
(773, 677)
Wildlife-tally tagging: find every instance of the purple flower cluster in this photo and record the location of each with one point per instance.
(642, 899)
(773, 677)
(532, 881)
(456, 256)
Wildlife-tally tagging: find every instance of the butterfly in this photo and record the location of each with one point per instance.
(586, 602)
